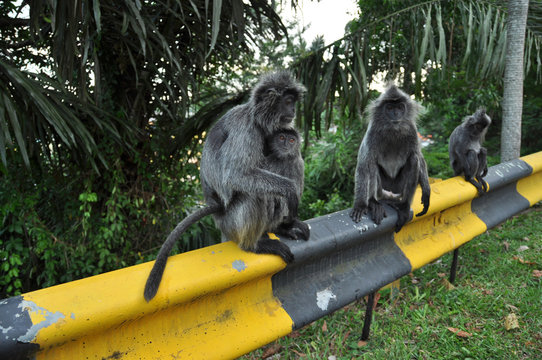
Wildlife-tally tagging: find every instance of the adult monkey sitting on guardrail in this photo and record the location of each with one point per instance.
(467, 156)
(390, 161)
(236, 186)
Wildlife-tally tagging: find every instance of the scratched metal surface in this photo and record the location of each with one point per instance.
(342, 262)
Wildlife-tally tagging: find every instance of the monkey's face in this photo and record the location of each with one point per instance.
(285, 144)
(394, 110)
(286, 108)
(479, 123)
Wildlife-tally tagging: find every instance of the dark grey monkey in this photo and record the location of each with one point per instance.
(467, 156)
(235, 186)
(232, 166)
(283, 156)
(390, 162)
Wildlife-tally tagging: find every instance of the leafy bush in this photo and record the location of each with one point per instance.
(330, 165)
(56, 230)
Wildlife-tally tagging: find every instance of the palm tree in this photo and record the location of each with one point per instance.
(512, 102)
(407, 40)
(80, 77)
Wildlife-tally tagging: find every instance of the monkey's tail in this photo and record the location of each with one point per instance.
(153, 281)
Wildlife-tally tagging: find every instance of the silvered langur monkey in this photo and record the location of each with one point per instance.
(467, 156)
(236, 186)
(283, 156)
(390, 162)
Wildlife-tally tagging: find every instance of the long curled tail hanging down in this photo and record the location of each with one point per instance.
(155, 277)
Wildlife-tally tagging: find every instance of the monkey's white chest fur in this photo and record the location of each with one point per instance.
(392, 163)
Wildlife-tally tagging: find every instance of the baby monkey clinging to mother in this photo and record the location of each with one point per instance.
(390, 162)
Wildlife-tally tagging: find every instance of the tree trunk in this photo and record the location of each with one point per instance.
(512, 102)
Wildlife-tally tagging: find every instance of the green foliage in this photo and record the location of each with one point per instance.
(531, 129)
(448, 102)
(330, 164)
(55, 229)
(438, 161)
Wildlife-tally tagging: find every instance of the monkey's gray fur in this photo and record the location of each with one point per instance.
(232, 166)
(390, 161)
(283, 156)
(237, 189)
(467, 156)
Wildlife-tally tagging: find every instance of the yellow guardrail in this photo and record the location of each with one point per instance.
(220, 302)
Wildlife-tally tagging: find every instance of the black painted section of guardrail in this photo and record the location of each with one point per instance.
(507, 173)
(503, 200)
(341, 263)
(15, 324)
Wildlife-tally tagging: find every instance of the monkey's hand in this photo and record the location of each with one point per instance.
(357, 212)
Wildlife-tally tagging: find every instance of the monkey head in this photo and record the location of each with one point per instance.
(284, 144)
(478, 123)
(273, 101)
(395, 107)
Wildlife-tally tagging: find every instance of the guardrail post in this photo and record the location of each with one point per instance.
(453, 268)
(368, 316)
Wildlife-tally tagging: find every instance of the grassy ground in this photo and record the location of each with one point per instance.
(499, 282)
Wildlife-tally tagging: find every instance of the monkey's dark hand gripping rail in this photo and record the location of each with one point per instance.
(220, 302)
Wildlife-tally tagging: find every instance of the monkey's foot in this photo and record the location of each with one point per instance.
(294, 229)
(274, 247)
(477, 185)
(300, 230)
(485, 186)
(377, 211)
(403, 216)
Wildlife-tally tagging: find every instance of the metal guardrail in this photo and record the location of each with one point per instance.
(220, 302)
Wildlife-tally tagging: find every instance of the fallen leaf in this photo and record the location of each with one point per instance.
(441, 275)
(294, 334)
(487, 292)
(526, 238)
(298, 353)
(460, 333)
(511, 322)
(362, 343)
(522, 248)
(324, 327)
(506, 245)
(512, 307)
(272, 350)
(346, 335)
(523, 261)
(537, 273)
(377, 297)
(448, 285)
